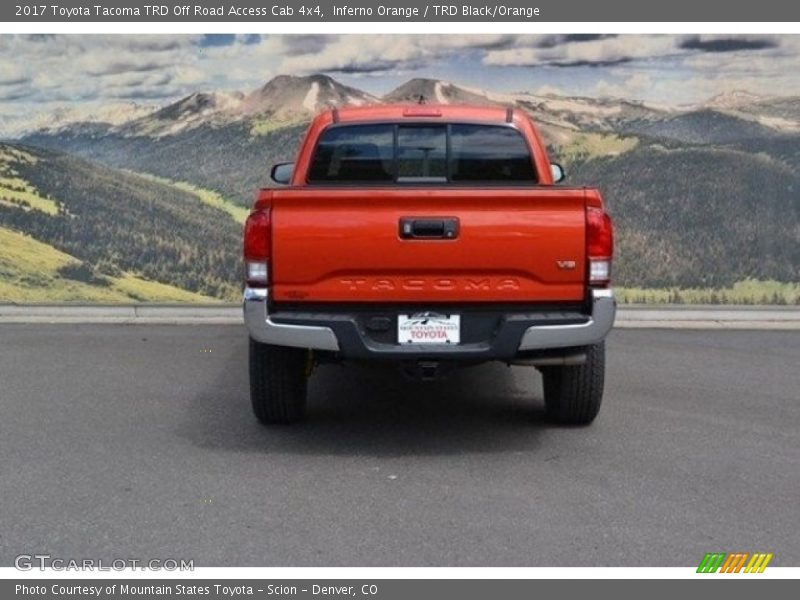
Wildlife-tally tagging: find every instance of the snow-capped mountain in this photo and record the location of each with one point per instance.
(734, 99)
(191, 111)
(436, 91)
(287, 97)
(780, 114)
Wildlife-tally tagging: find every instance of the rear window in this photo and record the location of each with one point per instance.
(422, 153)
(355, 153)
(479, 153)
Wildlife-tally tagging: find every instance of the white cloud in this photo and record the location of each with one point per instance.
(364, 54)
(12, 74)
(632, 87)
(550, 90)
(591, 52)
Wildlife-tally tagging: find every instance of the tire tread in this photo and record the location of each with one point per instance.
(573, 394)
(278, 385)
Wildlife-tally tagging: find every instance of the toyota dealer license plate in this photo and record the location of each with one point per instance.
(428, 328)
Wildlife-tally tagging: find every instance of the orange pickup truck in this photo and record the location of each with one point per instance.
(432, 237)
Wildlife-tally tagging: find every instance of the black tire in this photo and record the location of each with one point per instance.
(277, 383)
(572, 394)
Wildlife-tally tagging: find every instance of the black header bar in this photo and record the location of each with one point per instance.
(335, 11)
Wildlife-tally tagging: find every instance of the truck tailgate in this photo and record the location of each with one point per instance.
(337, 244)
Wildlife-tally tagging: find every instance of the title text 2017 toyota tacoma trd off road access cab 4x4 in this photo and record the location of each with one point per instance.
(432, 237)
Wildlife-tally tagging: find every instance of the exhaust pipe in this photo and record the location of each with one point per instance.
(551, 361)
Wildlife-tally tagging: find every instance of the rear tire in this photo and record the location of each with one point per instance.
(572, 394)
(278, 383)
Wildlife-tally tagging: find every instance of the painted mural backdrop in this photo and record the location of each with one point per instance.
(127, 163)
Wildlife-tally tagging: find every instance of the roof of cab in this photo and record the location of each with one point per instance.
(420, 111)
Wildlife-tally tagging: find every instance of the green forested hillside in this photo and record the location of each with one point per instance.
(688, 215)
(229, 159)
(32, 271)
(702, 127)
(699, 216)
(118, 225)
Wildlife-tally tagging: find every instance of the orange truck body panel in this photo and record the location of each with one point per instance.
(334, 243)
(343, 245)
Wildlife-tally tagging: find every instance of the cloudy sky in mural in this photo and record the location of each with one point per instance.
(41, 73)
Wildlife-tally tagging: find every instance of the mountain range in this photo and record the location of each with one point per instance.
(288, 98)
(704, 195)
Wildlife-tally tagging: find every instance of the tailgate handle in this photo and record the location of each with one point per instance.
(414, 228)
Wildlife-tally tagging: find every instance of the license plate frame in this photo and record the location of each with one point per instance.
(426, 328)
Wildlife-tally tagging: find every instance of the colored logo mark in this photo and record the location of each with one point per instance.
(734, 563)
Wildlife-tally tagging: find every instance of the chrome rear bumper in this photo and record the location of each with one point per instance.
(604, 310)
(263, 329)
(537, 337)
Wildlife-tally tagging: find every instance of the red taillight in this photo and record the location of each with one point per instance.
(600, 234)
(257, 247)
(257, 235)
(599, 245)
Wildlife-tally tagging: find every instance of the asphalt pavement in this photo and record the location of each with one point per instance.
(138, 442)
